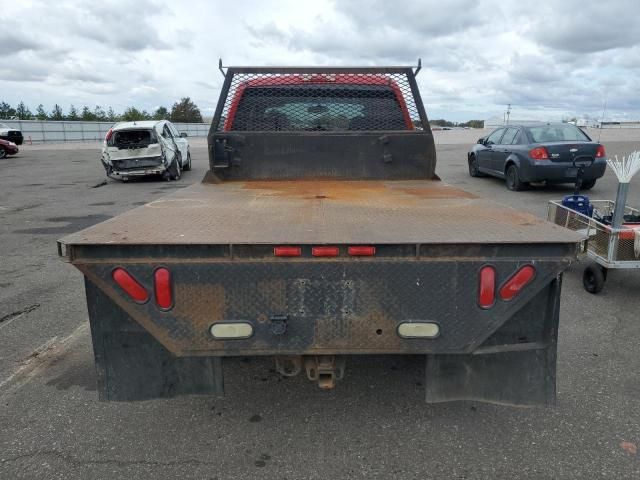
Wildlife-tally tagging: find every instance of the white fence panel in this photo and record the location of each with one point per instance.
(36, 131)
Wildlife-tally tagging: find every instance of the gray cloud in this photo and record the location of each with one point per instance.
(548, 59)
(12, 42)
(583, 27)
(121, 24)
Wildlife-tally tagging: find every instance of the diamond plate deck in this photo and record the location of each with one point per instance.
(322, 212)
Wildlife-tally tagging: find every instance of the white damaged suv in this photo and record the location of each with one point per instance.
(150, 147)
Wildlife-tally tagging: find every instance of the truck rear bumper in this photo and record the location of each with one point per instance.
(132, 365)
(322, 307)
(329, 307)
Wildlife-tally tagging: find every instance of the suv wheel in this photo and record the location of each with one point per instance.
(187, 167)
(175, 170)
(3, 153)
(512, 179)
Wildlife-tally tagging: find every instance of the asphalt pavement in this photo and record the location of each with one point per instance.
(374, 425)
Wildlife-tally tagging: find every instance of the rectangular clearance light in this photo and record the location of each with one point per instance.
(418, 330)
(287, 251)
(231, 330)
(362, 251)
(325, 251)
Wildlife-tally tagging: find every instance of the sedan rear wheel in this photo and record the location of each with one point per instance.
(513, 179)
(3, 153)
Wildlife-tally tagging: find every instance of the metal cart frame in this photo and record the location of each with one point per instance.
(608, 247)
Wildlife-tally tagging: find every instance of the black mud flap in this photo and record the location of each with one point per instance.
(132, 365)
(515, 366)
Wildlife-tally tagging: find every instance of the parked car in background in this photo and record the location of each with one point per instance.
(545, 152)
(134, 149)
(11, 134)
(7, 148)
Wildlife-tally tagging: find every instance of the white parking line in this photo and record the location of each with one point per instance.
(38, 360)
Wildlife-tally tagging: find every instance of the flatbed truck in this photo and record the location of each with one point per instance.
(321, 231)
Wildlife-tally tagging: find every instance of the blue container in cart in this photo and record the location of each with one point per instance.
(578, 203)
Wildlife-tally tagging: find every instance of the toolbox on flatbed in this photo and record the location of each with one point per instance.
(318, 234)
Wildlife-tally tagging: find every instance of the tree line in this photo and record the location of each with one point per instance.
(184, 111)
(447, 123)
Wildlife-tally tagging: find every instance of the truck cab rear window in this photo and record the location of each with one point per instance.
(318, 108)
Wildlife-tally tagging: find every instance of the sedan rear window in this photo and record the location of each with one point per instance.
(557, 133)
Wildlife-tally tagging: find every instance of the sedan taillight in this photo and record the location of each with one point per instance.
(600, 152)
(539, 153)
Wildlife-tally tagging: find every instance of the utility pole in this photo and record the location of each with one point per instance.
(508, 113)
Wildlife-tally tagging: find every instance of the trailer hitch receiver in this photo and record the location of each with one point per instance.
(325, 369)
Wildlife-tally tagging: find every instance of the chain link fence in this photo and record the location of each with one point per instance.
(37, 131)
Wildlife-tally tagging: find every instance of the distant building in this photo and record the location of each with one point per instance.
(613, 124)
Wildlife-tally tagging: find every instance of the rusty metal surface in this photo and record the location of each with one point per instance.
(322, 211)
(331, 306)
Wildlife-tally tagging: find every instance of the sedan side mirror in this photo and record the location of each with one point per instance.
(481, 141)
(183, 134)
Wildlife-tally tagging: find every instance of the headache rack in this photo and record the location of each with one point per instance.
(295, 89)
(320, 122)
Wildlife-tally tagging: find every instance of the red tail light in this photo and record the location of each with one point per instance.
(517, 282)
(362, 251)
(539, 153)
(487, 293)
(130, 285)
(325, 251)
(109, 135)
(287, 251)
(162, 286)
(600, 152)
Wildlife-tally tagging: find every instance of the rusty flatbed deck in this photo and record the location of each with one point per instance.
(330, 212)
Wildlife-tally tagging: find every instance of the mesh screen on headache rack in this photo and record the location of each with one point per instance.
(331, 101)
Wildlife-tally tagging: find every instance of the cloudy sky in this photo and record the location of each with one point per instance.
(550, 58)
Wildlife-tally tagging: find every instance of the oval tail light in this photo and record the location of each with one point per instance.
(130, 285)
(162, 287)
(600, 152)
(487, 291)
(517, 282)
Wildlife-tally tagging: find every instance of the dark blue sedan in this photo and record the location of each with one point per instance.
(545, 152)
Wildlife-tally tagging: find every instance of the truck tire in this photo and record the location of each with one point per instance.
(474, 169)
(587, 185)
(512, 179)
(593, 278)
